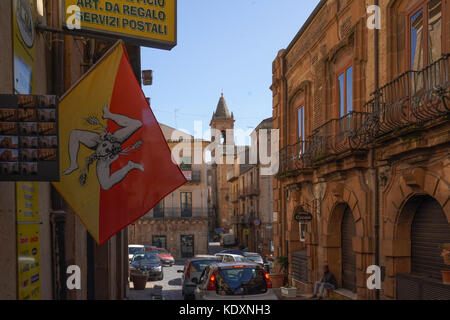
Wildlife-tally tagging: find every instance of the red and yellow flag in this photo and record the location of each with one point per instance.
(116, 164)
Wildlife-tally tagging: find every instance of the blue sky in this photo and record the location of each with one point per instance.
(222, 45)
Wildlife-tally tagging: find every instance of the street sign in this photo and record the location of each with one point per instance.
(145, 23)
(257, 222)
(300, 215)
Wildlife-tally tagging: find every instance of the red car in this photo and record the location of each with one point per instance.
(163, 255)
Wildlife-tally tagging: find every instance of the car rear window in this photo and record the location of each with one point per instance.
(200, 265)
(133, 250)
(256, 259)
(240, 281)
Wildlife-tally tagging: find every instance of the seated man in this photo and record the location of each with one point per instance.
(328, 281)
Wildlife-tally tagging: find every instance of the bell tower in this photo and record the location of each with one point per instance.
(223, 121)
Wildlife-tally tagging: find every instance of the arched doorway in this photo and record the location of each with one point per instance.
(348, 256)
(429, 229)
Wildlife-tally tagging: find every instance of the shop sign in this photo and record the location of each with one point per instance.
(28, 241)
(29, 141)
(148, 23)
(300, 215)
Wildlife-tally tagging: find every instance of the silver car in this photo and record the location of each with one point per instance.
(228, 257)
(192, 271)
(234, 281)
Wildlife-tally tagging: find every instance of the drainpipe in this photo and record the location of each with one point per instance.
(286, 109)
(58, 53)
(375, 168)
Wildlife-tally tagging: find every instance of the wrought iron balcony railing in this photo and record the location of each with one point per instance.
(231, 175)
(296, 157)
(196, 176)
(246, 218)
(250, 190)
(412, 98)
(339, 135)
(177, 213)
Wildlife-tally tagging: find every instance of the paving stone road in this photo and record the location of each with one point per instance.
(171, 284)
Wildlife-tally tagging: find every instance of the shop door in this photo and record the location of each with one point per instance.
(429, 230)
(159, 241)
(300, 265)
(348, 231)
(187, 246)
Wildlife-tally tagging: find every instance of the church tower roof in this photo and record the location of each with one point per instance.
(222, 111)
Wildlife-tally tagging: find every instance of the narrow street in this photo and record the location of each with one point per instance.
(171, 284)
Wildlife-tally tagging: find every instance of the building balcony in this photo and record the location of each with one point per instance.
(334, 137)
(297, 156)
(177, 213)
(248, 218)
(338, 136)
(232, 176)
(251, 190)
(411, 99)
(236, 219)
(195, 177)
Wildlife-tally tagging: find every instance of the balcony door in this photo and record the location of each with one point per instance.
(345, 101)
(301, 129)
(425, 44)
(186, 204)
(158, 210)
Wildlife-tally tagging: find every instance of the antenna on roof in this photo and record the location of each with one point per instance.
(175, 114)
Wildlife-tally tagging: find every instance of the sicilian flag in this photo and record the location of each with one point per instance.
(116, 165)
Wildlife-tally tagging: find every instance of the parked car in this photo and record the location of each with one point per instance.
(133, 249)
(238, 252)
(227, 240)
(254, 257)
(166, 258)
(228, 257)
(148, 261)
(192, 271)
(234, 281)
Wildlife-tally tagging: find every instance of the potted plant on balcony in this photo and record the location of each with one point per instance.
(279, 272)
(139, 279)
(288, 291)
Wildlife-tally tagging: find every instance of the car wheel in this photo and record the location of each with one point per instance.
(161, 277)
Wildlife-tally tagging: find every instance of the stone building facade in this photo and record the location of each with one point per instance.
(252, 199)
(181, 222)
(364, 148)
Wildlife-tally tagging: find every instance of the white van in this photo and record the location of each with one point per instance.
(227, 240)
(133, 249)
